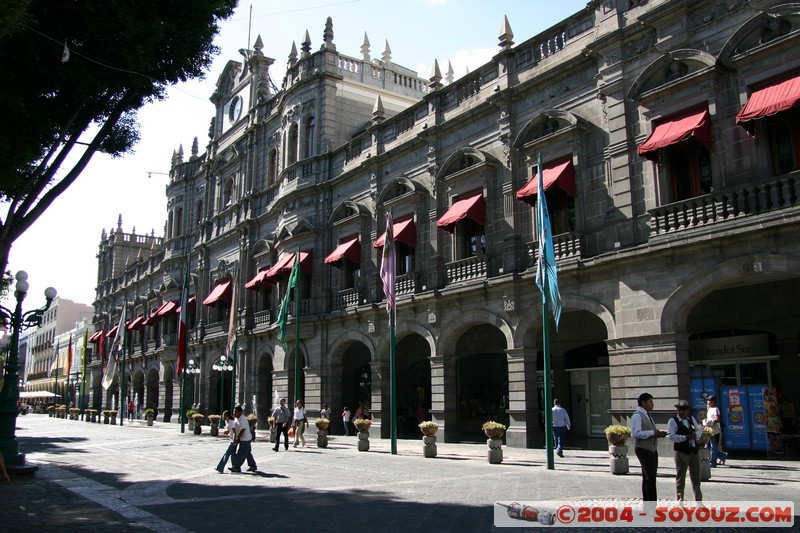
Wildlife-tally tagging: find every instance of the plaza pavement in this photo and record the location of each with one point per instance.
(135, 478)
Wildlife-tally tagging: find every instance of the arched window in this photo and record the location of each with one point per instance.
(179, 222)
(308, 140)
(292, 144)
(227, 195)
(170, 218)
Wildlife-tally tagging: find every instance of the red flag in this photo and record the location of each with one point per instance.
(183, 322)
(69, 356)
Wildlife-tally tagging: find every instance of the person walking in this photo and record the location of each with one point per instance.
(713, 420)
(645, 434)
(282, 417)
(325, 412)
(346, 420)
(243, 441)
(684, 430)
(561, 425)
(230, 430)
(300, 423)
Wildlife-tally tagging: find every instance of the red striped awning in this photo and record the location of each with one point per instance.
(560, 174)
(768, 101)
(473, 207)
(96, 336)
(349, 249)
(166, 308)
(404, 231)
(137, 323)
(286, 262)
(259, 280)
(695, 124)
(113, 331)
(223, 291)
(191, 304)
(152, 319)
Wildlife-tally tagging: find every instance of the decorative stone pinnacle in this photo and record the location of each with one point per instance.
(506, 35)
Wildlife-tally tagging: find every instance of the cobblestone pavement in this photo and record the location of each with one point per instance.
(138, 478)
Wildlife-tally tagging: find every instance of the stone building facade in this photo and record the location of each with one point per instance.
(670, 170)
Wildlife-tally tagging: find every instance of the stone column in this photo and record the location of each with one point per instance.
(376, 407)
(444, 403)
(523, 406)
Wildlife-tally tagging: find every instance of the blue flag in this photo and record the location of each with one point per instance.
(546, 273)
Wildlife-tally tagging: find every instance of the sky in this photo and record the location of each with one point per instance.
(60, 249)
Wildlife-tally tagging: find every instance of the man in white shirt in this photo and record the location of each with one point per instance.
(230, 430)
(282, 417)
(645, 434)
(561, 425)
(243, 441)
(684, 431)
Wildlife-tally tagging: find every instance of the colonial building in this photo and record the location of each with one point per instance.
(670, 144)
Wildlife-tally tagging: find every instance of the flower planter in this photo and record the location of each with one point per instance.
(618, 459)
(705, 463)
(113, 419)
(149, 420)
(198, 429)
(429, 445)
(363, 441)
(495, 453)
(322, 438)
(616, 439)
(214, 430)
(272, 433)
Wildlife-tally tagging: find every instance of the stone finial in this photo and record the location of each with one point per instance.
(378, 112)
(327, 36)
(179, 154)
(365, 48)
(119, 222)
(195, 149)
(387, 54)
(293, 55)
(305, 46)
(449, 75)
(103, 235)
(259, 44)
(435, 76)
(506, 35)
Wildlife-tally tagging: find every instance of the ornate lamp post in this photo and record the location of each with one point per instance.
(16, 321)
(193, 369)
(222, 365)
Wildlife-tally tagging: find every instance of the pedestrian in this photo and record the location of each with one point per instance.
(684, 430)
(346, 420)
(300, 423)
(561, 425)
(244, 442)
(713, 420)
(230, 430)
(282, 417)
(645, 434)
(325, 412)
(130, 410)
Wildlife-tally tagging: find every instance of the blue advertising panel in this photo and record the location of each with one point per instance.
(735, 418)
(758, 421)
(700, 389)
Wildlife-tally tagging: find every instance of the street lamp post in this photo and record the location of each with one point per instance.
(16, 321)
(193, 369)
(222, 365)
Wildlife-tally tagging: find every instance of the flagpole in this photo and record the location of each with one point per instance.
(182, 408)
(392, 383)
(548, 412)
(297, 368)
(83, 371)
(123, 405)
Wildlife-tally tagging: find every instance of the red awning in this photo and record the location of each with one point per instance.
(96, 336)
(166, 308)
(152, 319)
(137, 323)
(286, 262)
(404, 231)
(222, 291)
(350, 249)
(560, 174)
(259, 280)
(768, 101)
(113, 331)
(192, 304)
(473, 207)
(695, 124)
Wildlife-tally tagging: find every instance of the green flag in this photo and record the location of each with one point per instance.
(284, 312)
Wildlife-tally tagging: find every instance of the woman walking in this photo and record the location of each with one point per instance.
(300, 422)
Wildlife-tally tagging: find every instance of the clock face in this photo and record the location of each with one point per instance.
(235, 108)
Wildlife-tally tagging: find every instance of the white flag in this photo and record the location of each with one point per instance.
(116, 349)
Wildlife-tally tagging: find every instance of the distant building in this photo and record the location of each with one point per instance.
(670, 163)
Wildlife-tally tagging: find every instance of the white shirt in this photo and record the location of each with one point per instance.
(712, 415)
(560, 417)
(230, 426)
(242, 423)
(299, 413)
(636, 425)
(672, 429)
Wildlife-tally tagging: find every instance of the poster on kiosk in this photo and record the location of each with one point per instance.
(744, 417)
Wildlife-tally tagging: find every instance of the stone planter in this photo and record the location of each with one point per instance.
(106, 418)
(429, 445)
(322, 438)
(616, 440)
(149, 420)
(618, 459)
(198, 429)
(214, 430)
(495, 452)
(253, 431)
(705, 464)
(363, 441)
(113, 419)
(272, 433)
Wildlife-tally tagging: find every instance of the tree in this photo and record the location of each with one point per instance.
(84, 67)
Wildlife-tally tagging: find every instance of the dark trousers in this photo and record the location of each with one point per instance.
(228, 454)
(244, 452)
(282, 428)
(559, 434)
(649, 462)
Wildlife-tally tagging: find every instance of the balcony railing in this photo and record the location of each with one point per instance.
(406, 284)
(346, 298)
(466, 269)
(712, 209)
(565, 246)
(262, 318)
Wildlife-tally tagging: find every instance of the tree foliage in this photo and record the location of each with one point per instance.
(122, 55)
